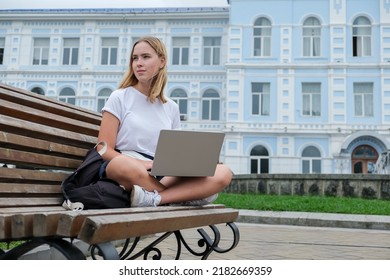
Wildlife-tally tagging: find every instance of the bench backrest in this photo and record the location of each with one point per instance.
(41, 141)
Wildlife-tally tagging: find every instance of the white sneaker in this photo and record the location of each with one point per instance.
(198, 202)
(143, 198)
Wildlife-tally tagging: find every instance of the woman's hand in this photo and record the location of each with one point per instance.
(147, 164)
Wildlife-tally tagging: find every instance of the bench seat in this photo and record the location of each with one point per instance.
(41, 141)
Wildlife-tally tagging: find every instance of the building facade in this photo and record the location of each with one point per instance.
(308, 85)
(298, 86)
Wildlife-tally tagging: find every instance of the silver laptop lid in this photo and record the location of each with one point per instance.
(187, 153)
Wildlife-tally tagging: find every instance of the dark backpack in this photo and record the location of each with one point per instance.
(86, 189)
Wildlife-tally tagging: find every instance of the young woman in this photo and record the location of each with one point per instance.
(132, 119)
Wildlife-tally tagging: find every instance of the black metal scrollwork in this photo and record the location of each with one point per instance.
(206, 245)
(66, 248)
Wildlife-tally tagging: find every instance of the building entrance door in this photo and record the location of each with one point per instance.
(364, 158)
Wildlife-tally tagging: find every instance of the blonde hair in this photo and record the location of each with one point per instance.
(159, 81)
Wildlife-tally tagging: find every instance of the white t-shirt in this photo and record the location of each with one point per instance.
(140, 120)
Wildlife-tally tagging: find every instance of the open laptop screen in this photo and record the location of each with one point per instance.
(187, 153)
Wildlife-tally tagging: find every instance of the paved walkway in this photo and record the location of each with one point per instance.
(276, 236)
(268, 235)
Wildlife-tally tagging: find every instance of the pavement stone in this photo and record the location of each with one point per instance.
(268, 235)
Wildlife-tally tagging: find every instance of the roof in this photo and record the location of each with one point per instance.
(119, 10)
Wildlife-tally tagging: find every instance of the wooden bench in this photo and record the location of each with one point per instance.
(41, 142)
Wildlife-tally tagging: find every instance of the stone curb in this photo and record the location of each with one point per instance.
(377, 222)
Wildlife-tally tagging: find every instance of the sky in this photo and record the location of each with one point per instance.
(56, 4)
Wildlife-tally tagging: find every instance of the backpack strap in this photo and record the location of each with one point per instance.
(103, 149)
(74, 206)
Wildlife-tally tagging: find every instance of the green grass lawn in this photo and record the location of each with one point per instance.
(305, 204)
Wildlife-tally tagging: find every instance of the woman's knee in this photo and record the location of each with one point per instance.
(223, 175)
(124, 168)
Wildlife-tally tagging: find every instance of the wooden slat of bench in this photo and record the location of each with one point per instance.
(45, 118)
(37, 160)
(33, 130)
(68, 223)
(29, 201)
(48, 104)
(46, 224)
(99, 229)
(24, 223)
(5, 226)
(16, 189)
(10, 140)
(71, 222)
(32, 209)
(21, 226)
(7, 220)
(25, 176)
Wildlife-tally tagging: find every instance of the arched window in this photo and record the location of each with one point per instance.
(102, 97)
(262, 37)
(38, 90)
(210, 105)
(311, 160)
(67, 95)
(311, 35)
(364, 158)
(361, 37)
(180, 97)
(259, 160)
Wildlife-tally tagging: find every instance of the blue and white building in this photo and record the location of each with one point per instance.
(298, 86)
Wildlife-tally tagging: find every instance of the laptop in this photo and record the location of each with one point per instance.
(187, 153)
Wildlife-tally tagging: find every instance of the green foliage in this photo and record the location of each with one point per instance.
(305, 204)
(7, 245)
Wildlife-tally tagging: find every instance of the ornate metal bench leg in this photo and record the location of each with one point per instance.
(125, 252)
(106, 250)
(214, 244)
(150, 248)
(206, 245)
(69, 251)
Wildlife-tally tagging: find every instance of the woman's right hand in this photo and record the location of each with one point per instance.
(147, 164)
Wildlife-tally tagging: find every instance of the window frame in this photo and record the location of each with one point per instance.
(63, 96)
(180, 96)
(262, 35)
(109, 51)
(311, 99)
(260, 158)
(261, 100)
(361, 42)
(181, 53)
(41, 47)
(366, 99)
(212, 51)
(102, 97)
(310, 162)
(2, 50)
(311, 37)
(70, 48)
(211, 105)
